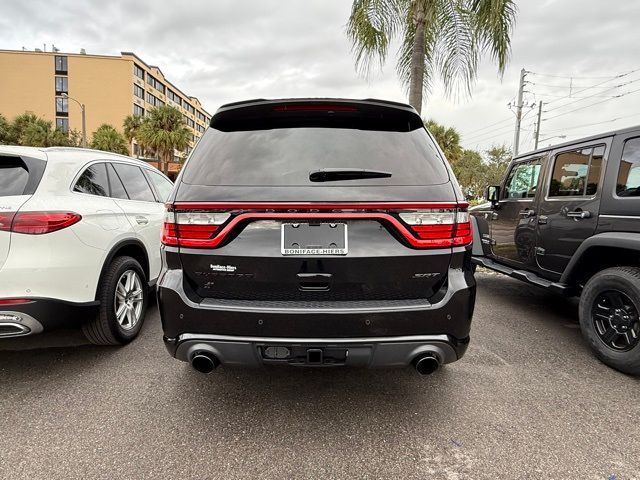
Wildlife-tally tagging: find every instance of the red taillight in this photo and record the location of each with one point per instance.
(14, 301)
(422, 225)
(440, 227)
(38, 223)
(188, 229)
(6, 219)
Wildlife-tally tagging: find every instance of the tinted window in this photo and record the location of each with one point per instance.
(577, 173)
(523, 180)
(163, 186)
(628, 184)
(93, 181)
(117, 189)
(13, 176)
(134, 182)
(285, 156)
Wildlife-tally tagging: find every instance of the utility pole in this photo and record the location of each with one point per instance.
(516, 137)
(538, 125)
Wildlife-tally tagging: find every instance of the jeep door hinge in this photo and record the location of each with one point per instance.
(540, 251)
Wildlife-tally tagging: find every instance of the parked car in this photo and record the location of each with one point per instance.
(567, 218)
(317, 232)
(79, 240)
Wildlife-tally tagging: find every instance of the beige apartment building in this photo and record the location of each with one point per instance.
(53, 85)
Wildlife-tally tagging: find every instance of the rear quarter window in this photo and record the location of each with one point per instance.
(628, 183)
(19, 176)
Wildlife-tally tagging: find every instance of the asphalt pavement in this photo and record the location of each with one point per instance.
(527, 401)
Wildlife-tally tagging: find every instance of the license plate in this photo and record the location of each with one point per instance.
(314, 239)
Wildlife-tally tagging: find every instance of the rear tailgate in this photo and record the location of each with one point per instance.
(262, 212)
(19, 178)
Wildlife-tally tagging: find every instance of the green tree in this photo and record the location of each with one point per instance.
(470, 170)
(131, 126)
(497, 159)
(439, 38)
(163, 130)
(448, 139)
(4, 130)
(107, 138)
(30, 130)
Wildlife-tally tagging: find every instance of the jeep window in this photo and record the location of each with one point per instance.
(628, 184)
(93, 181)
(523, 180)
(577, 173)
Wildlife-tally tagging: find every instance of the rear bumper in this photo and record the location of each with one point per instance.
(377, 333)
(329, 352)
(43, 314)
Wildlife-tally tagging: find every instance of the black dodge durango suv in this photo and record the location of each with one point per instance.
(317, 232)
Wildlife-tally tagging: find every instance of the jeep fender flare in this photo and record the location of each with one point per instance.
(625, 240)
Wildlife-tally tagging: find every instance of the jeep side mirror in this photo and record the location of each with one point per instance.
(493, 194)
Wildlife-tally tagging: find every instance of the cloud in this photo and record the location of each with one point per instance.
(228, 50)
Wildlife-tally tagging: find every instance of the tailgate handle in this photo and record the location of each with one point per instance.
(314, 282)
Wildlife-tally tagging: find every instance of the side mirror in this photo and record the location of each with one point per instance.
(493, 194)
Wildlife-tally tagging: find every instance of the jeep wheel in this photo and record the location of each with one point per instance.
(123, 297)
(610, 317)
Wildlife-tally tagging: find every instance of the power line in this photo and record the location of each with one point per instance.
(592, 104)
(570, 76)
(592, 124)
(490, 125)
(565, 86)
(593, 96)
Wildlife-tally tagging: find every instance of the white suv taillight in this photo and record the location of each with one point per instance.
(440, 227)
(182, 228)
(37, 223)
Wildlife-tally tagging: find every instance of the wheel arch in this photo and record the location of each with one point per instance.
(131, 248)
(605, 250)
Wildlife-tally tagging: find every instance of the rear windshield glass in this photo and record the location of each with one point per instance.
(286, 156)
(13, 176)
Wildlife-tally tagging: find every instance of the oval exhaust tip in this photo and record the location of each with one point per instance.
(204, 362)
(426, 364)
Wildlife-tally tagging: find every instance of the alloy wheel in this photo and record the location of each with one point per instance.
(129, 299)
(616, 320)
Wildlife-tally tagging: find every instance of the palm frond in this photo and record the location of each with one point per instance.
(371, 27)
(494, 22)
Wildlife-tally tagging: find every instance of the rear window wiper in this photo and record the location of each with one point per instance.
(335, 174)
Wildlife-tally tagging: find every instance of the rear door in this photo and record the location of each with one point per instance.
(143, 210)
(568, 211)
(513, 222)
(19, 178)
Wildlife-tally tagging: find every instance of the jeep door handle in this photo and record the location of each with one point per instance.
(490, 215)
(140, 220)
(527, 213)
(579, 214)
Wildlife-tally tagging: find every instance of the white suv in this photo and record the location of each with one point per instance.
(79, 241)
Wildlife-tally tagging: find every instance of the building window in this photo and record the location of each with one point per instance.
(138, 72)
(138, 110)
(189, 108)
(173, 96)
(61, 65)
(190, 122)
(155, 83)
(62, 106)
(153, 100)
(62, 124)
(138, 91)
(62, 85)
(202, 117)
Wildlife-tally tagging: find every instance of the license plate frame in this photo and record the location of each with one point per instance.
(316, 242)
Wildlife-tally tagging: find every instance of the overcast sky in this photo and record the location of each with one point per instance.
(228, 50)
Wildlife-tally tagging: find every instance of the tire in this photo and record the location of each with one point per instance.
(105, 329)
(597, 328)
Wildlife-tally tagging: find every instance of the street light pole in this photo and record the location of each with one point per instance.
(84, 120)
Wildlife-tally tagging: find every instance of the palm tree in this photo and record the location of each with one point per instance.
(107, 138)
(442, 38)
(30, 130)
(448, 139)
(164, 131)
(131, 125)
(4, 130)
